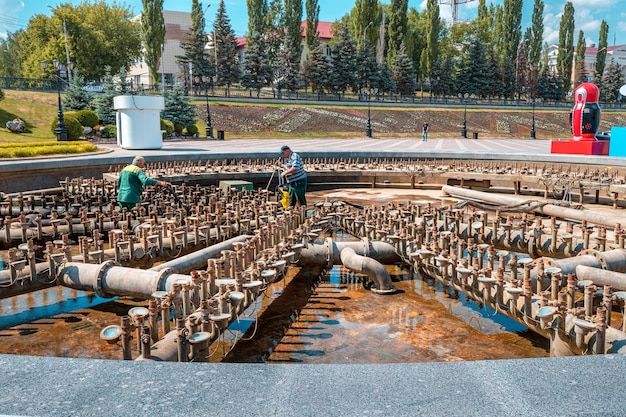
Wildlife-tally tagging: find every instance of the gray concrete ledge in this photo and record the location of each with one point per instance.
(574, 386)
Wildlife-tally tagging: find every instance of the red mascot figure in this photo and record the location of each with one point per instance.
(584, 120)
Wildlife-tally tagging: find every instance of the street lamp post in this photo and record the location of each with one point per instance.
(368, 92)
(209, 127)
(60, 130)
(463, 98)
(533, 133)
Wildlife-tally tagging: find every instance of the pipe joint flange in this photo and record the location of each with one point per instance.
(103, 268)
(366, 246)
(596, 254)
(391, 290)
(328, 242)
(161, 278)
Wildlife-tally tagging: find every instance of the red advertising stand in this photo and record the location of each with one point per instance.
(585, 119)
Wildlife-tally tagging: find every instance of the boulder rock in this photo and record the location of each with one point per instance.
(16, 126)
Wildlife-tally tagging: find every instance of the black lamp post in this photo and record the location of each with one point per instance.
(61, 130)
(369, 92)
(533, 133)
(209, 127)
(463, 98)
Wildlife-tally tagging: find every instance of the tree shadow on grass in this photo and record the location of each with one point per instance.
(5, 117)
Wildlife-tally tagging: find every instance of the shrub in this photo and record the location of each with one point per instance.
(192, 130)
(178, 128)
(168, 127)
(73, 126)
(109, 131)
(87, 117)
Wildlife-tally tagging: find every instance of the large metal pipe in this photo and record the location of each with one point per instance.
(548, 209)
(108, 280)
(198, 259)
(601, 277)
(374, 270)
(329, 252)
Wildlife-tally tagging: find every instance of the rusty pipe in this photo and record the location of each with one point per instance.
(374, 270)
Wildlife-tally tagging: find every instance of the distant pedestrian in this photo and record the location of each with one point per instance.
(425, 132)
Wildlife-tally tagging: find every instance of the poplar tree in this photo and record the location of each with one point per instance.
(601, 54)
(257, 11)
(227, 69)
(365, 17)
(312, 23)
(433, 31)
(580, 75)
(566, 47)
(153, 35)
(397, 27)
(535, 38)
(293, 32)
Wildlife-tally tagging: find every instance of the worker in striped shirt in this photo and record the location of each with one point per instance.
(294, 173)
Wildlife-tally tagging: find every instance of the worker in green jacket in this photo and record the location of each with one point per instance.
(131, 181)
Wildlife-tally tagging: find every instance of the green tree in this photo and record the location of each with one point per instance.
(512, 34)
(343, 60)
(550, 85)
(103, 103)
(178, 109)
(612, 80)
(293, 32)
(397, 27)
(274, 32)
(257, 72)
(10, 64)
(522, 69)
(535, 38)
(566, 47)
(470, 78)
(318, 70)
(366, 69)
(312, 22)
(433, 32)
(75, 98)
(257, 11)
(404, 73)
(193, 46)
(228, 71)
(601, 54)
(153, 35)
(580, 74)
(365, 17)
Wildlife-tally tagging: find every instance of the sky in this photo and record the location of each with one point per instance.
(15, 14)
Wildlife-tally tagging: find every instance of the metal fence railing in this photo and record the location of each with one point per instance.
(236, 92)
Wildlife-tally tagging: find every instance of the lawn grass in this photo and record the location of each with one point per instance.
(37, 110)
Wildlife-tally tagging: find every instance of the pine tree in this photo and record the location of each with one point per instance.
(103, 103)
(228, 71)
(343, 61)
(404, 73)
(366, 70)
(75, 97)
(193, 48)
(383, 81)
(550, 86)
(317, 71)
(286, 74)
(470, 78)
(612, 80)
(178, 110)
(257, 72)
